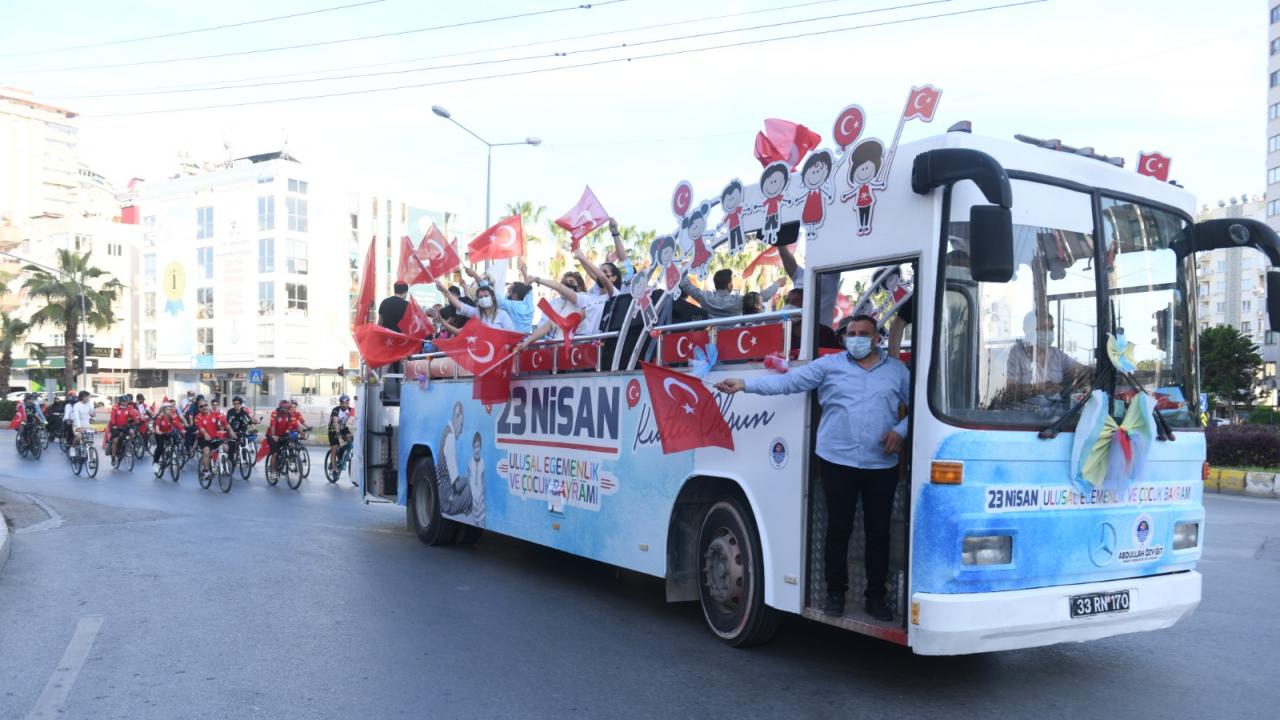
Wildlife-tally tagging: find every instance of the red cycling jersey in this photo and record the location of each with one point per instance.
(121, 415)
(281, 423)
(168, 423)
(209, 427)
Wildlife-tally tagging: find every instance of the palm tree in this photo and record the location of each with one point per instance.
(61, 294)
(11, 331)
(530, 215)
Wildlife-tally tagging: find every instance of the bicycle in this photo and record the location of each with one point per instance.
(343, 462)
(120, 450)
(169, 458)
(220, 466)
(141, 442)
(285, 461)
(42, 432)
(83, 455)
(246, 454)
(304, 457)
(28, 441)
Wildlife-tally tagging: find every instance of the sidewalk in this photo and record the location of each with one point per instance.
(1240, 482)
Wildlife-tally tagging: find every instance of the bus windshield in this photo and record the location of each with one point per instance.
(1021, 353)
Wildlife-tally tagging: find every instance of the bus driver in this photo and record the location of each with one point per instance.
(1034, 361)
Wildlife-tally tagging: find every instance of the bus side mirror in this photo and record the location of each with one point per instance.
(991, 243)
(1273, 297)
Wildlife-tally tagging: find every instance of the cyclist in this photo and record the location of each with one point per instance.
(238, 417)
(33, 418)
(80, 418)
(168, 429)
(189, 416)
(145, 415)
(338, 430)
(211, 427)
(122, 416)
(297, 414)
(215, 407)
(282, 422)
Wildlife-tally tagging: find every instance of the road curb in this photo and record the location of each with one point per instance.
(6, 541)
(1239, 482)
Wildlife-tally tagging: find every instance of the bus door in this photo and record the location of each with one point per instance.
(375, 453)
(884, 292)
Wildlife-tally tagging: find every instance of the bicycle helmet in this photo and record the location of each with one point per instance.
(124, 398)
(344, 398)
(237, 399)
(284, 403)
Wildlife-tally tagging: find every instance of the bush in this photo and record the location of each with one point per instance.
(1243, 446)
(7, 409)
(1264, 416)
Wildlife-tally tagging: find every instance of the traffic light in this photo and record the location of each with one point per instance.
(1164, 323)
(78, 350)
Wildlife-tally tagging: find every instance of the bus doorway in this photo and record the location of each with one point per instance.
(841, 505)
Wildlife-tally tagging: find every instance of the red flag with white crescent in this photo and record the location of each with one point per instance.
(536, 359)
(438, 255)
(922, 103)
(410, 270)
(578, 357)
(584, 218)
(786, 141)
(365, 295)
(763, 260)
(493, 387)
(380, 346)
(678, 347)
(19, 417)
(264, 449)
(480, 347)
(749, 343)
(566, 323)
(415, 323)
(504, 240)
(1154, 165)
(686, 413)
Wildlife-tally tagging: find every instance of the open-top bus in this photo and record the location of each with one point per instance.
(1008, 248)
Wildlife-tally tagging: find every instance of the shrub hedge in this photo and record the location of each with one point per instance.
(1243, 445)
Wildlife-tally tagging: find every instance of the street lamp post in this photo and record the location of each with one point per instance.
(488, 163)
(84, 341)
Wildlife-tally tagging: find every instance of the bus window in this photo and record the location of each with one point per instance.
(1018, 353)
(1148, 290)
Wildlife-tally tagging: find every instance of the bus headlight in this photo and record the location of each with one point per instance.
(1186, 535)
(987, 550)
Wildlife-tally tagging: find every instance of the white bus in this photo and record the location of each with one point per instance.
(1020, 258)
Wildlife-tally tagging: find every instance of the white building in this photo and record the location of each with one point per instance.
(252, 265)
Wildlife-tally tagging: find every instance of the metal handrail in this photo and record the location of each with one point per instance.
(731, 320)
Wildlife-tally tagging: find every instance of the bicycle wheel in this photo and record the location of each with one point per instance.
(91, 461)
(271, 469)
(171, 459)
(44, 438)
(293, 470)
(139, 446)
(304, 461)
(205, 474)
(20, 443)
(158, 467)
(77, 462)
(36, 449)
(246, 462)
(127, 460)
(115, 459)
(331, 469)
(224, 473)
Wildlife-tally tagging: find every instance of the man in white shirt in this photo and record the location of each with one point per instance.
(80, 415)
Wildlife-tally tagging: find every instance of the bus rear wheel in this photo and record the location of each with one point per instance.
(424, 507)
(731, 576)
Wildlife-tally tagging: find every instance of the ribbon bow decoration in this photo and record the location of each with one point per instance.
(704, 360)
(1105, 452)
(1120, 352)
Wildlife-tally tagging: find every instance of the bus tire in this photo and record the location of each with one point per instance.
(731, 576)
(424, 508)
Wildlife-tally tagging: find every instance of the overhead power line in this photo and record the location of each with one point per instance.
(501, 61)
(594, 63)
(338, 41)
(193, 31)
(462, 53)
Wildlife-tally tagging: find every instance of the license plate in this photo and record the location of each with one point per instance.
(1099, 603)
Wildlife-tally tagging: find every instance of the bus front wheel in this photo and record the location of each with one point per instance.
(424, 508)
(731, 576)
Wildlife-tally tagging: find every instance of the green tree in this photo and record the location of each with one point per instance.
(12, 330)
(1229, 366)
(60, 293)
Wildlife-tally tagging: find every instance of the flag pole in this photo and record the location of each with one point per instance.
(893, 147)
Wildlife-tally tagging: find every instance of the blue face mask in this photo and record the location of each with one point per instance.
(859, 347)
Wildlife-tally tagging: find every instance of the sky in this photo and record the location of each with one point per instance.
(1183, 77)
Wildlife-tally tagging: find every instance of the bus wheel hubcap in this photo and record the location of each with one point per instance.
(723, 568)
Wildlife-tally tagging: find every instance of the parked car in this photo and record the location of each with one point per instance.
(1219, 422)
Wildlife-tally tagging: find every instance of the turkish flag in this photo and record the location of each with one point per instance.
(584, 218)
(263, 450)
(921, 103)
(368, 281)
(410, 270)
(685, 411)
(479, 347)
(380, 346)
(493, 387)
(439, 256)
(19, 417)
(578, 357)
(1154, 165)
(763, 260)
(678, 347)
(503, 240)
(749, 343)
(537, 359)
(784, 140)
(844, 306)
(566, 323)
(415, 323)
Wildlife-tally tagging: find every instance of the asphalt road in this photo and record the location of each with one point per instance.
(148, 599)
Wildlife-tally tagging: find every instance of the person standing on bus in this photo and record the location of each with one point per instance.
(860, 438)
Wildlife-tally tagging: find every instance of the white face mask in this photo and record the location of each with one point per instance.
(858, 346)
(485, 302)
(1044, 338)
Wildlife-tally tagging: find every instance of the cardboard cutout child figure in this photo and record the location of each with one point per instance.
(864, 180)
(891, 282)
(731, 204)
(643, 302)
(694, 228)
(773, 185)
(663, 254)
(814, 175)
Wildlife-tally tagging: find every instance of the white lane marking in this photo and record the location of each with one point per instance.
(53, 523)
(50, 702)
